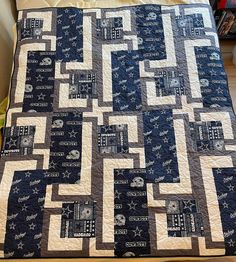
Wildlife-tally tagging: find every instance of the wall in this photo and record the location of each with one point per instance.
(7, 20)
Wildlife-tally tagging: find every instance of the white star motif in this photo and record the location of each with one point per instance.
(132, 205)
(66, 211)
(20, 245)
(52, 165)
(133, 99)
(151, 48)
(219, 90)
(231, 187)
(225, 205)
(151, 171)
(107, 128)
(119, 172)
(27, 174)
(199, 22)
(124, 150)
(25, 33)
(73, 133)
(24, 208)
(148, 31)
(168, 170)
(231, 243)
(165, 140)
(12, 226)
(31, 53)
(35, 191)
(66, 174)
(131, 75)
(117, 100)
(213, 72)
(203, 147)
(116, 75)
(59, 21)
(77, 114)
(188, 205)
(39, 78)
(158, 155)
(16, 190)
(41, 96)
(11, 143)
(117, 194)
(119, 23)
(32, 226)
(149, 140)
(137, 232)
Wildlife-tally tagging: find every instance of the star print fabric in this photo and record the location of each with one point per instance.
(225, 185)
(39, 87)
(131, 213)
(26, 205)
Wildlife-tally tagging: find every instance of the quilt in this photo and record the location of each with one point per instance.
(119, 137)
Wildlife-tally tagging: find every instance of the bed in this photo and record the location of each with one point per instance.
(119, 139)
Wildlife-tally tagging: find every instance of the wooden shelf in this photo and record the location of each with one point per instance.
(229, 35)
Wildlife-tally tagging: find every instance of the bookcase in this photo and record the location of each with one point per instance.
(225, 17)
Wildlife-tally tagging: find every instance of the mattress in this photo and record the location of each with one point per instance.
(119, 138)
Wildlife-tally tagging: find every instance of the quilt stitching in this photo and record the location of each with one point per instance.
(120, 136)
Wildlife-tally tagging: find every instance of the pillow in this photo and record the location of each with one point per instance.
(28, 4)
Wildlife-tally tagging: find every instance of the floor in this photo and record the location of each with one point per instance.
(226, 48)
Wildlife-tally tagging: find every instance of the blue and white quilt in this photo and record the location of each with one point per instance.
(120, 136)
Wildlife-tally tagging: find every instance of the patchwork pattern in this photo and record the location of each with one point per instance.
(150, 32)
(65, 148)
(131, 213)
(78, 220)
(113, 139)
(69, 45)
(126, 92)
(190, 25)
(207, 136)
(160, 147)
(39, 86)
(119, 139)
(225, 187)
(18, 140)
(83, 86)
(170, 83)
(30, 28)
(184, 219)
(25, 215)
(110, 28)
(213, 82)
